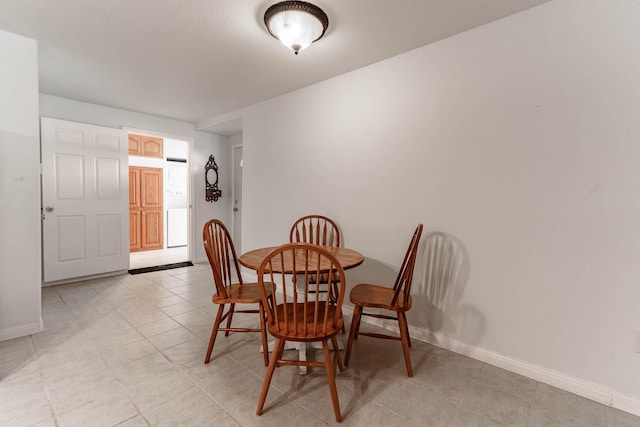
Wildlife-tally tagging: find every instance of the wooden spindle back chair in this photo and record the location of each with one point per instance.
(230, 288)
(396, 299)
(318, 230)
(315, 229)
(295, 314)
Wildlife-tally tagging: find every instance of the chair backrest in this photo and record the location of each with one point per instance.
(316, 229)
(222, 256)
(292, 310)
(402, 286)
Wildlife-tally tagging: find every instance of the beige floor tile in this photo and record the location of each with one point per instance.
(137, 421)
(15, 368)
(143, 369)
(171, 338)
(497, 405)
(618, 418)
(278, 411)
(517, 385)
(140, 314)
(187, 352)
(100, 387)
(180, 308)
(170, 300)
(149, 394)
(158, 326)
(194, 318)
(106, 411)
(23, 401)
(567, 407)
(193, 408)
(73, 371)
(118, 355)
(467, 418)
(17, 348)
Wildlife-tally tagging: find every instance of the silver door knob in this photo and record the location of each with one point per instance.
(49, 209)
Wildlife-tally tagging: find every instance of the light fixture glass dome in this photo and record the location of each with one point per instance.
(296, 24)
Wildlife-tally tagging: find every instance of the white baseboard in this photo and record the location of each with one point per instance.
(83, 278)
(21, 331)
(557, 379)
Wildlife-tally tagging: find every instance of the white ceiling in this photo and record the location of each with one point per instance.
(202, 60)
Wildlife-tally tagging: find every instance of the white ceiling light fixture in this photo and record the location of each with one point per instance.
(296, 24)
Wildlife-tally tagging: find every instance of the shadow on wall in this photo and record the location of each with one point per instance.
(439, 281)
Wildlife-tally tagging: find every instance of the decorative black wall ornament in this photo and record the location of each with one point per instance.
(212, 194)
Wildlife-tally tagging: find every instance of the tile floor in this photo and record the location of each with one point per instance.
(160, 257)
(128, 351)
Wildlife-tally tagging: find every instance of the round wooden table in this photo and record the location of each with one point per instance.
(348, 258)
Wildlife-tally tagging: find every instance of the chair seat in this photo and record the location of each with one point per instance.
(286, 330)
(247, 293)
(376, 296)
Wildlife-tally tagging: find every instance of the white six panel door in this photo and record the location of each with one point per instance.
(84, 198)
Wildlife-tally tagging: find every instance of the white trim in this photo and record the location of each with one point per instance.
(83, 278)
(28, 329)
(557, 379)
(233, 191)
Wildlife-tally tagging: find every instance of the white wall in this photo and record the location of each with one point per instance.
(520, 141)
(204, 145)
(19, 188)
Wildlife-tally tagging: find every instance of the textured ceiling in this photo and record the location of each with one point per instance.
(200, 60)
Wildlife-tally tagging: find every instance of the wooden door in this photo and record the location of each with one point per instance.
(145, 209)
(83, 195)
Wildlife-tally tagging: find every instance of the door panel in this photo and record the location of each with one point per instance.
(107, 179)
(71, 238)
(108, 235)
(151, 147)
(146, 208)
(152, 229)
(84, 184)
(151, 183)
(69, 176)
(135, 232)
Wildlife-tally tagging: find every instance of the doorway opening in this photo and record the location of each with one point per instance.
(159, 200)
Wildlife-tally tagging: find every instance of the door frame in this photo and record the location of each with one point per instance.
(190, 182)
(238, 244)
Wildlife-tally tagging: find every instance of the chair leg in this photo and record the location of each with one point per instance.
(214, 332)
(332, 297)
(232, 307)
(263, 331)
(336, 351)
(404, 336)
(355, 325)
(273, 363)
(331, 378)
(407, 331)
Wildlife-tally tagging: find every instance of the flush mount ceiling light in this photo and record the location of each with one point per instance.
(296, 24)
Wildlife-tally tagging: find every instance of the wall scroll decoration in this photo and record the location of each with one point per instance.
(212, 193)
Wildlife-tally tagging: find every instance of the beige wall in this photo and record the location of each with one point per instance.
(519, 141)
(19, 188)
